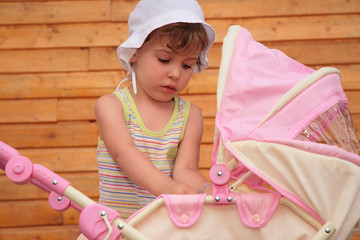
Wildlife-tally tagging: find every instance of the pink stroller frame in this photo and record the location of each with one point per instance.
(285, 161)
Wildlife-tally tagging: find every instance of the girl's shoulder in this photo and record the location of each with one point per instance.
(106, 104)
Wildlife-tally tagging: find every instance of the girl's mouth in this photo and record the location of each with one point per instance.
(169, 88)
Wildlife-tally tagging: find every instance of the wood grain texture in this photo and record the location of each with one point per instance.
(57, 57)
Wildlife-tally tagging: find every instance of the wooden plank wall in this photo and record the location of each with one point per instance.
(57, 57)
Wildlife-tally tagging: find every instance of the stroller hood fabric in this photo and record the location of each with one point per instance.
(258, 78)
(265, 99)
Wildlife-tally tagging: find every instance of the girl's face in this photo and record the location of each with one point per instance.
(161, 73)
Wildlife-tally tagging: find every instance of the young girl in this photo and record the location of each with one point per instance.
(150, 138)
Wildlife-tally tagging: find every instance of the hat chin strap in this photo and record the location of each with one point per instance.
(133, 80)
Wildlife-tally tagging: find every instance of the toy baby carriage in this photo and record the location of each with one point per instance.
(285, 160)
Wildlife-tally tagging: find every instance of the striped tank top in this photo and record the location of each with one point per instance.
(117, 191)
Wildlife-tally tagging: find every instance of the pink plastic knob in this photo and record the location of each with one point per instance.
(93, 226)
(59, 203)
(19, 170)
(220, 174)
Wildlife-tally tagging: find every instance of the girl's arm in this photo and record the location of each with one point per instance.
(187, 160)
(119, 142)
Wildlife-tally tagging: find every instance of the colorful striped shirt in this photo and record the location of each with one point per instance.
(116, 189)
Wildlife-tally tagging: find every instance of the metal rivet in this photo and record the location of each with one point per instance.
(103, 213)
(220, 173)
(120, 226)
(217, 198)
(55, 182)
(59, 199)
(327, 230)
(229, 199)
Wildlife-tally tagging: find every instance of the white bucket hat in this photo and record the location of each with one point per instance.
(152, 14)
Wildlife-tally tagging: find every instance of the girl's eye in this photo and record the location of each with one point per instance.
(187, 66)
(163, 60)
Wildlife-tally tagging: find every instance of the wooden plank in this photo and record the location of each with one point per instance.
(33, 110)
(104, 59)
(49, 60)
(86, 183)
(95, 84)
(69, 163)
(56, 232)
(53, 85)
(63, 134)
(293, 28)
(77, 109)
(208, 132)
(64, 160)
(253, 8)
(71, 216)
(321, 52)
(205, 156)
(55, 60)
(28, 213)
(75, 160)
(354, 100)
(206, 103)
(113, 34)
(83, 108)
(62, 35)
(54, 11)
(204, 82)
(350, 79)
(306, 52)
(75, 134)
(356, 236)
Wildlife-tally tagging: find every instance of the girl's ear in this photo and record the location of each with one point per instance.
(133, 58)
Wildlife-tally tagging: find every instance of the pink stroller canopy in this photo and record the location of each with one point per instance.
(267, 102)
(260, 82)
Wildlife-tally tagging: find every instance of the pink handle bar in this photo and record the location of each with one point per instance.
(6, 153)
(21, 170)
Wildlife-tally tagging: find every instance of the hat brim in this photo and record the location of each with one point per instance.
(136, 39)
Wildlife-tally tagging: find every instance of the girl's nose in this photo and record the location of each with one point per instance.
(174, 71)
